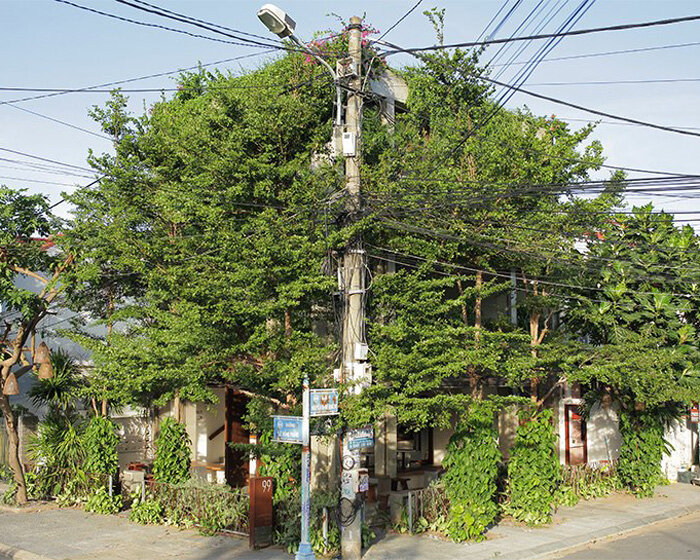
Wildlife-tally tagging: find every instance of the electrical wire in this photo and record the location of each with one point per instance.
(403, 17)
(621, 27)
(156, 10)
(163, 27)
(238, 31)
(131, 80)
(58, 121)
(16, 152)
(592, 111)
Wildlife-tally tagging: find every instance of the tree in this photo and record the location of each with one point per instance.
(22, 218)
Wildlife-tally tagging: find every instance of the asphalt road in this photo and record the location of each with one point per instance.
(677, 539)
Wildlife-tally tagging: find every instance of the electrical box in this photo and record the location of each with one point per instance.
(346, 68)
(361, 350)
(337, 375)
(349, 144)
(363, 480)
(362, 375)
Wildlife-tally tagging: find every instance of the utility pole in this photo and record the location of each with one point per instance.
(353, 289)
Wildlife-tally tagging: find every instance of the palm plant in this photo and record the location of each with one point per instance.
(58, 448)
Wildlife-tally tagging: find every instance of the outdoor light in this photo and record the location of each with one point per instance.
(276, 20)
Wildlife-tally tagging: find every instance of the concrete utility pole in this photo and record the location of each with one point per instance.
(353, 288)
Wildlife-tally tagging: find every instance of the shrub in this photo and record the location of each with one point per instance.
(101, 502)
(641, 452)
(100, 442)
(472, 470)
(533, 470)
(145, 512)
(172, 461)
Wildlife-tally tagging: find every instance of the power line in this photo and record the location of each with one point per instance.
(163, 27)
(57, 92)
(619, 82)
(16, 152)
(403, 17)
(271, 39)
(592, 111)
(37, 181)
(156, 10)
(622, 27)
(58, 121)
(604, 53)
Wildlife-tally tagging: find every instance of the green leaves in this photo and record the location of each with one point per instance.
(173, 452)
(533, 470)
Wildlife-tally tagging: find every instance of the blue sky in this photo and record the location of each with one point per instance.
(49, 44)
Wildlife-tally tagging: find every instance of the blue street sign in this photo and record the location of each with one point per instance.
(287, 429)
(360, 438)
(323, 402)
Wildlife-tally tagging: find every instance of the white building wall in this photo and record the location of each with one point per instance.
(603, 434)
(681, 438)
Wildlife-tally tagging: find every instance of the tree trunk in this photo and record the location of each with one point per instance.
(287, 323)
(13, 444)
(104, 407)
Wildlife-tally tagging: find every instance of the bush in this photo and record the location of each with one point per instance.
(533, 470)
(641, 452)
(145, 512)
(100, 442)
(472, 470)
(101, 502)
(172, 461)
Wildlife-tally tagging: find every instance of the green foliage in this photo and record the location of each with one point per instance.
(101, 502)
(209, 507)
(641, 451)
(145, 512)
(101, 441)
(59, 447)
(173, 453)
(472, 469)
(8, 496)
(533, 470)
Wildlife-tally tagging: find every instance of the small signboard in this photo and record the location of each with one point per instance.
(695, 413)
(360, 438)
(287, 429)
(260, 516)
(323, 402)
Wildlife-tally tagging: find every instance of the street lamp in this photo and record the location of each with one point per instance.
(279, 23)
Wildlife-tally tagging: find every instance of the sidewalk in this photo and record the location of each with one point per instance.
(49, 533)
(586, 522)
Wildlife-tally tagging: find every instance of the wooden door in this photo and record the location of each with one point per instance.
(236, 462)
(576, 452)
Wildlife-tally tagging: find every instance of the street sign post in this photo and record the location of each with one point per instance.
(295, 429)
(360, 438)
(323, 402)
(288, 429)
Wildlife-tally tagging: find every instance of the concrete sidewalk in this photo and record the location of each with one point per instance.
(49, 533)
(586, 522)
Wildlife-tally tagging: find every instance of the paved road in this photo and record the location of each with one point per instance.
(676, 539)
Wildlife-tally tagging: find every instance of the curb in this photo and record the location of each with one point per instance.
(550, 551)
(15, 553)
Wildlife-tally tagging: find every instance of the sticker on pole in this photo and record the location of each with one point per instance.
(287, 429)
(695, 413)
(360, 438)
(323, 402)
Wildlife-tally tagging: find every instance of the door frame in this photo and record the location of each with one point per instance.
(584, 433)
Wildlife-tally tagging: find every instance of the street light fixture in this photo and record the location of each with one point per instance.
(278, 22)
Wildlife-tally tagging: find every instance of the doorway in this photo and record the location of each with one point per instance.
(576, 448)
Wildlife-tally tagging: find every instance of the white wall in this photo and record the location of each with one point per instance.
(682, 438)
(602, 432)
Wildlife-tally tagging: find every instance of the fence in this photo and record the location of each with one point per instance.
(207, 506)
(591, 478)
(426, 506)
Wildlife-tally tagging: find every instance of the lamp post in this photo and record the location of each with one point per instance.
(279, 23)
(354, 261)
